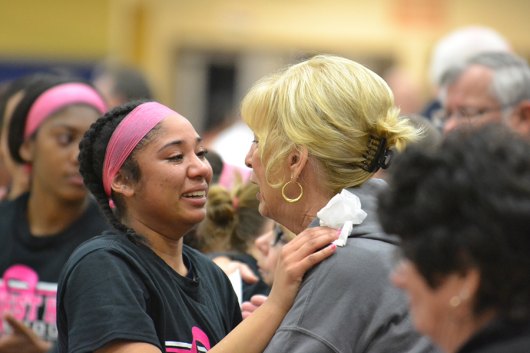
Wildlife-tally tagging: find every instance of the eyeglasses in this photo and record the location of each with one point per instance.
(465, 113)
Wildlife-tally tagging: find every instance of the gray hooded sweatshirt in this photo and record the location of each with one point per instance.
(347, 304)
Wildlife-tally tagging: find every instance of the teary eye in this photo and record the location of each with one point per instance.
(177, 157)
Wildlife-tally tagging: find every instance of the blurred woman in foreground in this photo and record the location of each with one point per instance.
(463, 214)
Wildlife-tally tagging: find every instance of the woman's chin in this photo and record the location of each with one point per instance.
(197, 216)
(263, 210)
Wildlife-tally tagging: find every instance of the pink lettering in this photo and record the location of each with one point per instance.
(50, 310)
(198, 337)
(21, 297)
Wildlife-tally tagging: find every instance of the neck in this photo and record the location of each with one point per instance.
(462, 331)
(312, 202)
(167, 247)
(48, 216)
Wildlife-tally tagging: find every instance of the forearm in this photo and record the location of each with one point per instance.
(305, 251)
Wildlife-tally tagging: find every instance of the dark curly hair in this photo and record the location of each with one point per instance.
(92, 150)
(467, 205)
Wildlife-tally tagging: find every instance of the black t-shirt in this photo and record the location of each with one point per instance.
(30, 266)
(116, 288)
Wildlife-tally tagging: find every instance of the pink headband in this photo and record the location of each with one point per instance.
(129, 132)
(59, 97)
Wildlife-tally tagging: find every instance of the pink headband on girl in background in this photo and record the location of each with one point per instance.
(129, 132)
(59, 97)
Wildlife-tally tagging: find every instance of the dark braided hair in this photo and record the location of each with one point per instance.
(92, 149)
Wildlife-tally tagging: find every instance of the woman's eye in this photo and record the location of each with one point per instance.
(202, 154)
(64, 139)
(177, 157)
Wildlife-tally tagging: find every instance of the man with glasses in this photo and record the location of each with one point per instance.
(489, 87)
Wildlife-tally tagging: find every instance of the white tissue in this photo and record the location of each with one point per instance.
(342, 212)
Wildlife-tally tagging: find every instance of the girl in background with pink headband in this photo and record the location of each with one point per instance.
(40, 229)
(137, 288)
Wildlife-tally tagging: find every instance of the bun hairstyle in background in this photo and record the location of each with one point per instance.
(232, 219)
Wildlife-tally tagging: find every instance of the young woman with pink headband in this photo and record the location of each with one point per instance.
(137, 288)
(40, 229)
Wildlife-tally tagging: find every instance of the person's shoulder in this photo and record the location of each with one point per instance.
(363, 252)
(372, 186)
(111, 251)
(7, 208)
(108, 241)
(94, 218)
(12, 210)
(6, 204)
(197, 257)
(361, 261)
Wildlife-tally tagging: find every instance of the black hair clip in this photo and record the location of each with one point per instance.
(377, 155)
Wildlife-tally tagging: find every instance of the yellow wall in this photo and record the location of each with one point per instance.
(401, 29)
(149, 33)
(54, 29)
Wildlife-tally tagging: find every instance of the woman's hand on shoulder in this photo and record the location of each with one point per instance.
(306, 250)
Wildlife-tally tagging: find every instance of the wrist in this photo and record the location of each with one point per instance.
(278, 304)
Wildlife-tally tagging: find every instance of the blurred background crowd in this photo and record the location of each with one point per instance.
(200, 57)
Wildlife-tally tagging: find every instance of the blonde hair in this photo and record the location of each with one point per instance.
(329, 105)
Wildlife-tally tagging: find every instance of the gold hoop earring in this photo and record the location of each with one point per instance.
(296, 198)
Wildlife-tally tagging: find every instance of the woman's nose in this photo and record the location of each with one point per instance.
(201, 167)
(248, 157)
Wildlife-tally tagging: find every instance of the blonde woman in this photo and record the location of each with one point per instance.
(322, 128)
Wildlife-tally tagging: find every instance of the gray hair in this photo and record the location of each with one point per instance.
(461, 44)
(511, 76)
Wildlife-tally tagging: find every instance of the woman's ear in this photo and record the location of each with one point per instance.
(297, 161)
(26, 150)
(122, 185)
